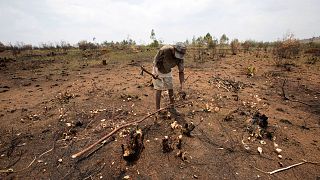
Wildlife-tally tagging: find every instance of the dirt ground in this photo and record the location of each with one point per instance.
(51, 107)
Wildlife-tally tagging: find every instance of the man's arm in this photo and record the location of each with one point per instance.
(181, 78)
(181, 74)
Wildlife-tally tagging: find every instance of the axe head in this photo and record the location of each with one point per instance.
(141, 73)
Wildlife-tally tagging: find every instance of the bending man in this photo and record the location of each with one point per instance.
(167, 58)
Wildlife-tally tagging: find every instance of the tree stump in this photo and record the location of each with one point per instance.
(133, 147)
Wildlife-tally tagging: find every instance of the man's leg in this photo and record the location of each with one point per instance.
(171, 97)
(172, 109)
(158, 99)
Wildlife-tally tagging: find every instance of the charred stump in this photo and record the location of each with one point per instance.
(133, 147)
(187, 129)
(167, 145)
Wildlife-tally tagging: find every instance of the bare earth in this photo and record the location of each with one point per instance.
(53, 107)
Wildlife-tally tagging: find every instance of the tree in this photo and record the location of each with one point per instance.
(224, 39)
(64, 45)
(193, 41)
(208, 37)
(210, 41)
(187, 42)
(155, 42)
(235, 46)
(2, 47)
(200, 41)
(153, 35)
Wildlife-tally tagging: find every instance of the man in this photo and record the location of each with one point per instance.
(167, 58)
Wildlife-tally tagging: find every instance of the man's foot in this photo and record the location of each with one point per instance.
(173, 111)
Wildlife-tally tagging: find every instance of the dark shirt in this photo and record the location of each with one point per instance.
(165, 60)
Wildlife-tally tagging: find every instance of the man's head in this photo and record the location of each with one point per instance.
(180, 50)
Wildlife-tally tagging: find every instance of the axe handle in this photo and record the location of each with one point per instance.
(143, 69)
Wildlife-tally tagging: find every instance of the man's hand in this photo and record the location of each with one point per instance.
(155, 76)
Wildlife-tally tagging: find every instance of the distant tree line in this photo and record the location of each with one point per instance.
(20, 46)
(286, 47)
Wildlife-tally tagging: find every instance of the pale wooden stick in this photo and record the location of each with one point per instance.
(286, 168)
(117, 129)
(45, 152)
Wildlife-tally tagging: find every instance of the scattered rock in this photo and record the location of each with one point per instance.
(280, 109)
(26, 84)
(229, 117)
(278, 150)
(34, 117)
(262, 142)
(126, 177)
(280, 164)
(285, 121)
(24, 110)
(175, 125)
(182, 155)
(195, 176)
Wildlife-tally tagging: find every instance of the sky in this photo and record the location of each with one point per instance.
(41, 21)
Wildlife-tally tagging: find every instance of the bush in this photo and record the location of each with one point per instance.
(2, 47)
(83, 45)
(248, 44)
(26, 47)
(235, 45)
(155, 43)
(288, 48)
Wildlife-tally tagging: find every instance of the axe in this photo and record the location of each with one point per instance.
(144, 70)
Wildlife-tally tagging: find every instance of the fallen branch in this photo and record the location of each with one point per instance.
(45, 152)
(10, 170)
(286, 168)
(99, 147)
(117, 129)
